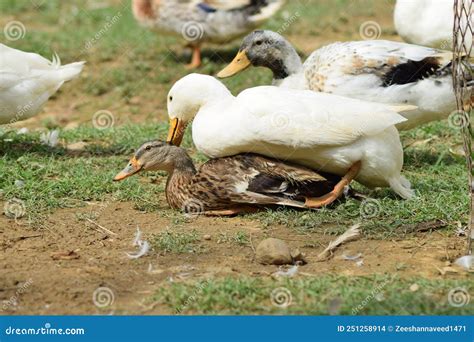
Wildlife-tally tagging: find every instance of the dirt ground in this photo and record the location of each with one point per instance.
(58, 270)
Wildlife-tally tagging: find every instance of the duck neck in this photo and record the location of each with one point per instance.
(288, 64)
(179, 180)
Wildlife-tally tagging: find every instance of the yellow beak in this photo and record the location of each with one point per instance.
(240, 62)
(132, 168)
(176, 132)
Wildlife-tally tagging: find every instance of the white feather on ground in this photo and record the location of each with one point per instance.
(351, 234)
(144, 246)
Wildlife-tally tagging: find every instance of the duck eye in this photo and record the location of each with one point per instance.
(171, 98)
(259, 42)
(148, 148)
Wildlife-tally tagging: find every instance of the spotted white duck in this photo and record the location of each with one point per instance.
(198, 21)
(376, 70)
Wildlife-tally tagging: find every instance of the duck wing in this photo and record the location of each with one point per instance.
(262, 9)
(288, 180)
(256, 180)
(224, 4)
(307, 119)
(372, 64)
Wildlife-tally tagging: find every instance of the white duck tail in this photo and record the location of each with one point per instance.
(262, 10)
(70, 71)
(402, 187)
(28, 80)
(56, 74)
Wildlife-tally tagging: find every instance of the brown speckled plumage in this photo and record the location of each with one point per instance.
(230, 182)
(245, 179)
(217, 21)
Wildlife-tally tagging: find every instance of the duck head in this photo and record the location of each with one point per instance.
(153, 156)
(185, 99)
(266, 49)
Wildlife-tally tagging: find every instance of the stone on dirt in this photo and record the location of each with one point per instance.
(273, 252)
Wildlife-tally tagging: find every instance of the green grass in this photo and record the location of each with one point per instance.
(321, 295)
(171, 241)
(56, 178)
(239, 238)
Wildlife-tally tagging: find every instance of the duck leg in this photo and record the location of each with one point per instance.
(330, 197)
(196, 58)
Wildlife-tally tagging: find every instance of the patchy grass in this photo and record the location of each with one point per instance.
(57, 178)
(239, 238)
(322, 295)
(177, 242)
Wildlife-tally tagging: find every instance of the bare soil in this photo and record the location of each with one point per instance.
(56, 269)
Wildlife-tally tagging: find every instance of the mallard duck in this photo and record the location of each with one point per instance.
(318, 130)
(229, 185)
(375, 70)
(428, 22)
(198, 21)
(27, 82)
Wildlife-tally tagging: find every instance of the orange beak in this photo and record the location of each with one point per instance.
(132, 168)
(176, 132)
(240, 62)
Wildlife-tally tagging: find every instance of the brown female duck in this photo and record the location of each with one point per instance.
(230, 185)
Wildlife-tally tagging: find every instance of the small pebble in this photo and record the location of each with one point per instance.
(273, 252)
(19, 183)
(207, 237)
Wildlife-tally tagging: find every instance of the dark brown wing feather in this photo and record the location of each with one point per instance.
(254, 179)
(288, 180)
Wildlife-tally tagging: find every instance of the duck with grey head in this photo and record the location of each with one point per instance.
(370, 70)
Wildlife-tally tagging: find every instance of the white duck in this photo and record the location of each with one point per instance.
(198, 21)
(322, 131)
(427, 22)
(376, 70)
(27, 82)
